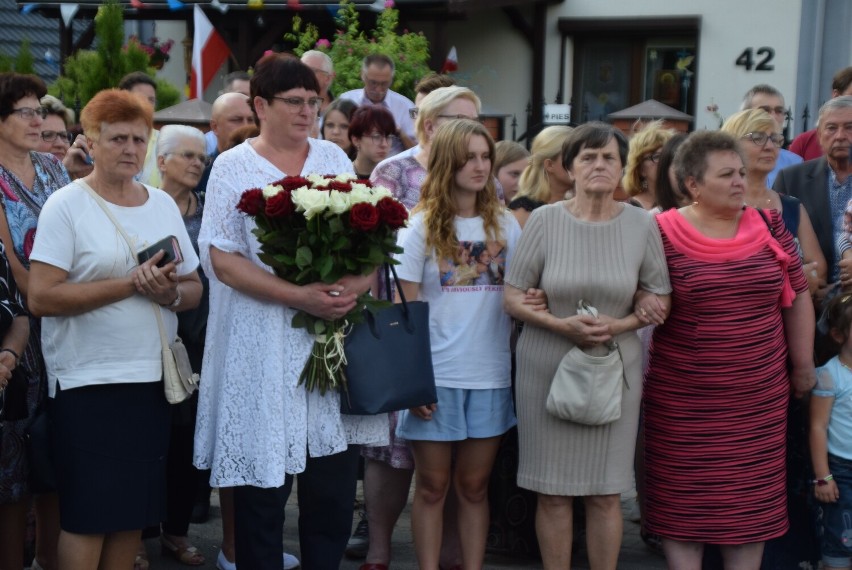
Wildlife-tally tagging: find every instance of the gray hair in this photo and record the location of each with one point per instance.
(172, 135)
(761, 88)
(55, 107)
(836, 104)
(327, 64)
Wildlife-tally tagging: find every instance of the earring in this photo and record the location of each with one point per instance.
(644, 184)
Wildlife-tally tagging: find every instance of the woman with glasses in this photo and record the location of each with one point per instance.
(640, 173)
(55, 138)
(181, 158)
(27, 178)
(760, 143)
(256, 428)
(372, 134)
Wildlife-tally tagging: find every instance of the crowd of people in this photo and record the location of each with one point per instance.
(723, 285)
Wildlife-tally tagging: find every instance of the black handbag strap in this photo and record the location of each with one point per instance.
(389, 269)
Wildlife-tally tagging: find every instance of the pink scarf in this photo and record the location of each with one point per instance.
(752, 236)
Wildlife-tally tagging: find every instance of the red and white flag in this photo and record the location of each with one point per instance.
(209, 52)
(452, 62)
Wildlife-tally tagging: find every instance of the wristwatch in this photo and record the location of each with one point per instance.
(174, 304)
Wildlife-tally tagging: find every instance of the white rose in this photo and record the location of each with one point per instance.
(346, 177)
(382, 192)
(338, 202)
(309, 201)
(360, 193)
(316, 179)
(269, 191)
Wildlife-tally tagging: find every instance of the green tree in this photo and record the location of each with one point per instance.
(23, 62)
(89, 71)
(350, 45)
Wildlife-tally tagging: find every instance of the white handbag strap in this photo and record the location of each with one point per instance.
(102, 203)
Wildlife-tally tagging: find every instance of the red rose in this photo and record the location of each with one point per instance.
(364, 217)
(365, 181)
(280, 206)
(251, 202)
(340, 186)
(292, 182)
(392, 212)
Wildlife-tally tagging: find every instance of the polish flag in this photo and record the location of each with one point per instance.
(209, 52)
(452, 62)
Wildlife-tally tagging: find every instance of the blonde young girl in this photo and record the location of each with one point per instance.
(831, 440)
(469, 335)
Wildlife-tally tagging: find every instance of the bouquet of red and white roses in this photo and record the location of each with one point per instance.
(320, 228)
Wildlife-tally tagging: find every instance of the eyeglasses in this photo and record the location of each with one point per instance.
(297, 103)
(477, 119)
(760, 138)
(28, 113)
(770, 110)
(378, 139)
(188, 155)
(50, 136)
(413, 113)
(320, 71)
(654, 157)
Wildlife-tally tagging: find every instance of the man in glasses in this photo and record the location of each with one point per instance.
(824, 185)
(771, 100)
(377, 74)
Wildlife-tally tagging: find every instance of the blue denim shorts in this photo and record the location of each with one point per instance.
(836, 528)
(462, 414)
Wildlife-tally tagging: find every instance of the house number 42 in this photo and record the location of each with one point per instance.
(764, 56)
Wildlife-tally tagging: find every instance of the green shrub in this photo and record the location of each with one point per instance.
(350, 45)
(89, 71)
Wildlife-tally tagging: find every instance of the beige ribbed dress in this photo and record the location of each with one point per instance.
(603, 263)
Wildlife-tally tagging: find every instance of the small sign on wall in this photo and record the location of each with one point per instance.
(557, 114)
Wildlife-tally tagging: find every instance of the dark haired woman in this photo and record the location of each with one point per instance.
(616, 249)
(371, 131)
(27, 178)
(288, 430)
(335, 124)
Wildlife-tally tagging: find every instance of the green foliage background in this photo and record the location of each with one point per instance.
(87, 72)
(350, 45)
(23, 62)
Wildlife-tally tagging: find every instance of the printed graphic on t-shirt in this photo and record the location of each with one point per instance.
(479, 263)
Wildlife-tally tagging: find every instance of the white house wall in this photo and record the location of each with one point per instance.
(496, 61)
(727, 28)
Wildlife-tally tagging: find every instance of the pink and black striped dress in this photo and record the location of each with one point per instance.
(717, 386)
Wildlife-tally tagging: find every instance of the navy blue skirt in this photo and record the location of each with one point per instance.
(110, 447)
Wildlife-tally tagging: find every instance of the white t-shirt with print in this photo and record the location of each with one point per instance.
(469, 330)
(119, 342)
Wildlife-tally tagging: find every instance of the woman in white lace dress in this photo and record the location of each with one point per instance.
(255, 426)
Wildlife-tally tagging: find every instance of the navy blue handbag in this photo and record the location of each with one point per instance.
(389, 358)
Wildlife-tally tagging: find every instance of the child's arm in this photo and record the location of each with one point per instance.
(820, 411)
